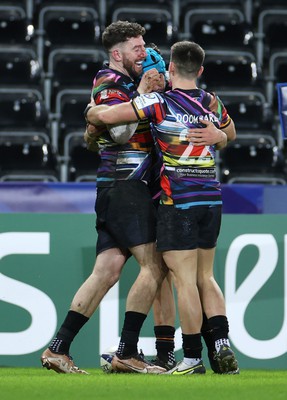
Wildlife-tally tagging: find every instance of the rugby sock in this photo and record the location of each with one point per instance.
(221, 342)
(220, 329)
(165, 342)
(207, 335)
(192, 346)
(130, 333)
(72, 324)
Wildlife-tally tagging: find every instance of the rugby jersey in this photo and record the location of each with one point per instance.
(121, 161)
(188, 175)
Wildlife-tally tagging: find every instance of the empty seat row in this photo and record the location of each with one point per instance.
(221, 24)
(59, 58)
(251, 160)
(256, 160)
(27, 160)
(30, 158)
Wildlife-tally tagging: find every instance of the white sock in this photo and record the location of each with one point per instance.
(221, 342)
(191, 361)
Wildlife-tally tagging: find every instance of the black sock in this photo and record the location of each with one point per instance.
(192, 346)
(72, 324)
(165, 342)
(207, 335)
(219, 326)
(130, 333)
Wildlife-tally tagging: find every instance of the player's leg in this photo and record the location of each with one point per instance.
(164, 312)
(108, 266)
(106, 272)
(212, 301)
(177, 240)
(138, 305)
(211, 295)
(132, 224)
(183, 267)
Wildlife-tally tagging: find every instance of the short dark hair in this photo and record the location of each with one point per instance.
(121, 31)
(188, 57)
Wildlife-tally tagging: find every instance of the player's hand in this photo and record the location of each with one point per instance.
(151, 81)
(207, 136)
(91, 135)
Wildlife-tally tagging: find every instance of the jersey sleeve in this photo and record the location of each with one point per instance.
(107, 89)
(218, 108)
(149, 106)
(111, 96)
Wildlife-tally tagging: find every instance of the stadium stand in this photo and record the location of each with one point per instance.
(80, 165)
(255, 159)
(51, 50)
(28, 160)
(19, 66)
(59, 25)
(157, 20)
(220, 27)
(14, 27)
(71, 68)
(68, 115)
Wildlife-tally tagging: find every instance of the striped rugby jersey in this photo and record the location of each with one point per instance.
(188, 175)
(121, 161)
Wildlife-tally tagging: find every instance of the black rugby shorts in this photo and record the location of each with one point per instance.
(196, 227)
(126, 216)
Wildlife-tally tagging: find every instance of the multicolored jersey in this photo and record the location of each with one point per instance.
(188, 175)
(131, 160)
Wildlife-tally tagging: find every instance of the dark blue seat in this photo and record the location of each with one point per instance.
(156, 18)
(19, 66)
(66, 25)
(23, 108)
(13, 25)
(83, 164)
(29, 160)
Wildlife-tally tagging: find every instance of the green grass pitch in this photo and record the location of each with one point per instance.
(39, 383)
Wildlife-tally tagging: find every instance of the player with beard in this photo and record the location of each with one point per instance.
(125, 212)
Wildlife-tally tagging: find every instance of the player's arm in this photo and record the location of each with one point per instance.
(118, 113)
(109, 115)
(207, 135)
(230, 131)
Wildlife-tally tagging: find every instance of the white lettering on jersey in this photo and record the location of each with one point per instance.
(195, 119)
(145, 100)
(104, 94)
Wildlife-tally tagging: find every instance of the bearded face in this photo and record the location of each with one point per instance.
(133, 67)
(132, 55)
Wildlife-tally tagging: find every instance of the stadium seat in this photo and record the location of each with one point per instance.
(81, 164)
(22, 108)
(29, 161)
(271, 33)
(245, 106)
(69, 114)
(277, 72)
(13, 25)
(229, 70)
(19, 66)
(244, 6)
(157, 20)
(66, 25)
(218, 28)
(13, 134)
(256, 159)
(73, 69)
